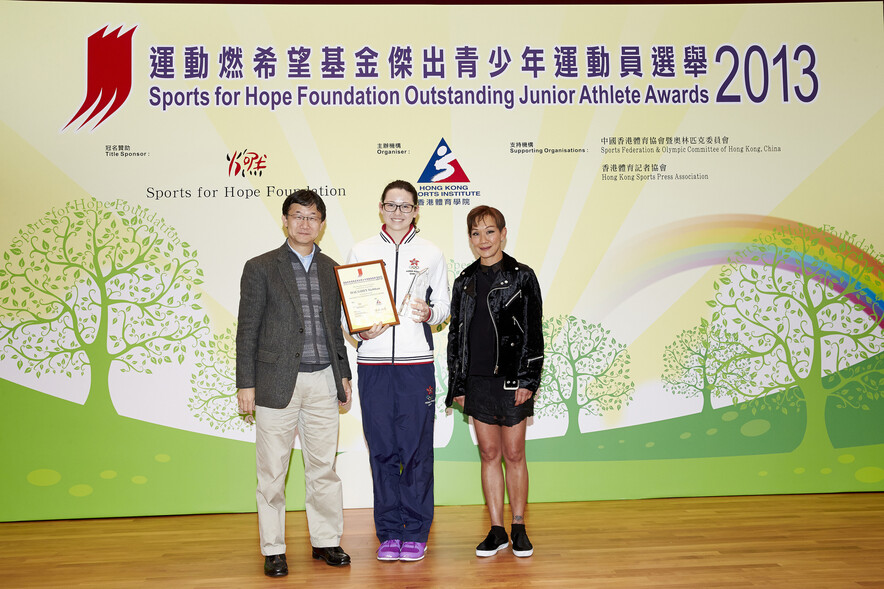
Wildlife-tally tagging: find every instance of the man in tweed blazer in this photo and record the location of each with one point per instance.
(292, 371)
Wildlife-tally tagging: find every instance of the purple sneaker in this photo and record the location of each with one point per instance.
(390, 550)
(413, 551)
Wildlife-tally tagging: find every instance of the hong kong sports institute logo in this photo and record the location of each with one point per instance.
(443, 167)
(444, 182)
(108, 75)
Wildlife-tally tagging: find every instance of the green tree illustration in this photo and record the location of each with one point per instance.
(96, 284)
(585, 370)
(707, 361)
(214, 384)
(803, 301)
(858, 385)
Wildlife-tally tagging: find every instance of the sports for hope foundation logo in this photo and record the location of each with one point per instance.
(444, 181)
(108, 75)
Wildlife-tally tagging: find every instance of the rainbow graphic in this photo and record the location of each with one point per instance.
(716, 240)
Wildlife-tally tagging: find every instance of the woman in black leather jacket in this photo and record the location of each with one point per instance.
(495, 356)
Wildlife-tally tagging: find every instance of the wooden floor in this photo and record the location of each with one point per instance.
(772, 541)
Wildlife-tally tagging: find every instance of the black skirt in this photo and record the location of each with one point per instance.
(487, 401)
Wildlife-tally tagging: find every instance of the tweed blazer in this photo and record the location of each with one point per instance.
(270, 331)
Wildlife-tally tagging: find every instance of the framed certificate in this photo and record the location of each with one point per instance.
(366, 294)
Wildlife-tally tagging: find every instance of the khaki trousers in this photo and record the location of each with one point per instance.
(313, 411)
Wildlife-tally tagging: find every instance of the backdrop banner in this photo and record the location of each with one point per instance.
(697, 188)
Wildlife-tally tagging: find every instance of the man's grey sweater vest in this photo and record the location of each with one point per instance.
(315, 350)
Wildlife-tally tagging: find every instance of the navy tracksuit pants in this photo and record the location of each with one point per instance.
(398, 410)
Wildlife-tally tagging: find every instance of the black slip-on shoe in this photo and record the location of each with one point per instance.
(521, 545)
(494, 542)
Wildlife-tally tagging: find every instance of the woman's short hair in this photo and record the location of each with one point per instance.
(482, 211)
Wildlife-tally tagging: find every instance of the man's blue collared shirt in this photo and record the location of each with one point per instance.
(305, 260)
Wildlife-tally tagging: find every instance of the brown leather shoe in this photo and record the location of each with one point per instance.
(275, 566)
(332, 555)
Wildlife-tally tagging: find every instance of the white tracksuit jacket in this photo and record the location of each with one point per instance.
(408, 342)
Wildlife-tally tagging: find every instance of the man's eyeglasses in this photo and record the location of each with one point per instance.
(301, 219)
(392, 206)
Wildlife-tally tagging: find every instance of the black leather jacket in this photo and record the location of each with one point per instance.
(517, 314)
